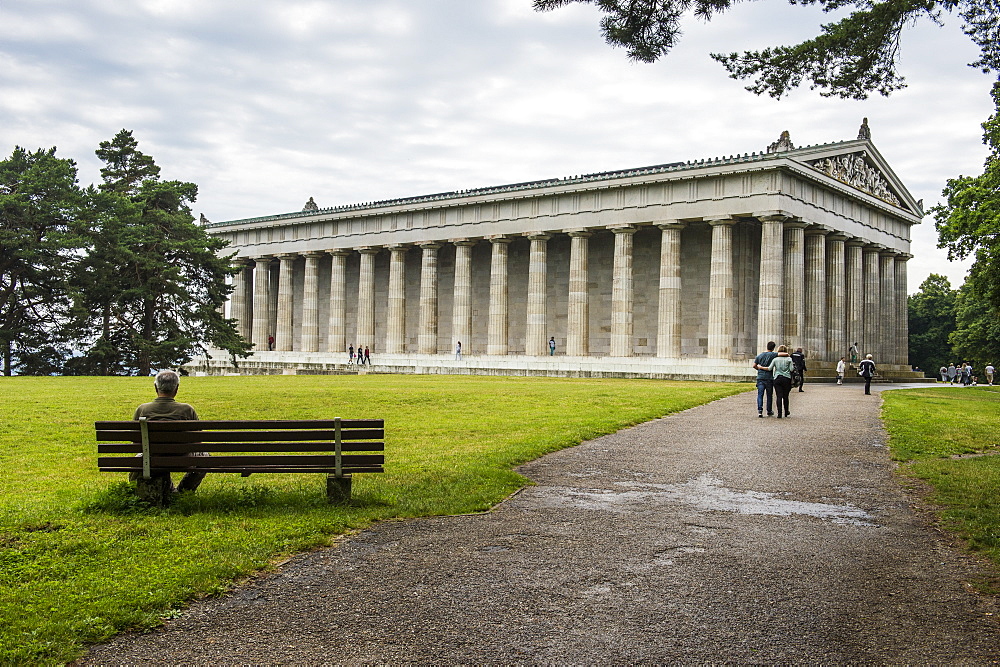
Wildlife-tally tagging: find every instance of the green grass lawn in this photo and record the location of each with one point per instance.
(950, 439)
(80, 561)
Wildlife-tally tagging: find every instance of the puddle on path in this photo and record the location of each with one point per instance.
(707, 493)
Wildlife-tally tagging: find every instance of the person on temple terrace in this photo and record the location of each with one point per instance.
(765, 379)
(866, 369)
(782, 366)
(841, 367)
(165, 408)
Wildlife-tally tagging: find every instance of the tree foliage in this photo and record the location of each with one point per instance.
(968, 222)
(39, 205)
(931, 321)
(968, 225)
(976, 338)
(850, 58)
(154, 282)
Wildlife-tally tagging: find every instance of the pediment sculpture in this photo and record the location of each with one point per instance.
(853, 170)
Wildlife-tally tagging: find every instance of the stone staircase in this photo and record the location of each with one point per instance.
(827, 372)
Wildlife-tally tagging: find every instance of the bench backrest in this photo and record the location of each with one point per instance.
(286, 445)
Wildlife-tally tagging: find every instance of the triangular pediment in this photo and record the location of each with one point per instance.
(859, 165)
(854, 170)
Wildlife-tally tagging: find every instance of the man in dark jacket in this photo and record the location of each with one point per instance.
(799, 359)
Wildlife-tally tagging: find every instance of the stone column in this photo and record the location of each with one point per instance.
(261, 302)
(395, 338)
(720, 290)
(286, 302)
(238, 300)
(854, 289)
(815, 265)
(622, 293)
(366, 298)
(870, 328)
(770, 310)
(462, 307)
(902, 312)
(794, 303)
(836, 302)
(496, 342)
(578, 308)
(535, 342)
(668, 330)
(427, 337)
(887, 308)
(336, 340)
(310, 304)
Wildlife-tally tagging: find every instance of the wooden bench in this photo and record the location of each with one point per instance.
(245, 447)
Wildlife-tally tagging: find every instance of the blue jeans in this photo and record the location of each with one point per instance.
(765, 386)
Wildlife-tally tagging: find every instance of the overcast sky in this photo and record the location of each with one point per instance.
(265, 104)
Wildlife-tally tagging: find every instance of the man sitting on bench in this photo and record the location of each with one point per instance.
(166, 408)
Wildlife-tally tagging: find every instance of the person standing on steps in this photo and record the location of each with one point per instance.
(765, 379)
(552, 346)
(368, 356)
(782, 366)
(458, 351)
(799, 360)
(350, 354)
(867, 370)
(841, 367)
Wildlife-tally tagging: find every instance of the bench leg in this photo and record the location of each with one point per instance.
(155, 491)
(338, 489)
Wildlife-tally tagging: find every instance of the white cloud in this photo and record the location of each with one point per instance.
(264, 104)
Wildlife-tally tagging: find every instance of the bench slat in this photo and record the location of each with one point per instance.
(261, 469)
(239, 436)
(186, 448)
(170, 462)
(209, 425)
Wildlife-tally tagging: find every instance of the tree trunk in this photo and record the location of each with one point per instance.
(6, 358)
(106, 334)
(148, 317)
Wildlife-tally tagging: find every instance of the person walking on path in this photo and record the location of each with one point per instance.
(989, 374)
(841, 368)
(944, 373)
(765, 379)
(867, 371)
(552, 346)
(368, 356)
(458, 351)
(782, 366)
(350, 354)
(966, 374)
(799, 360)
(952, 373)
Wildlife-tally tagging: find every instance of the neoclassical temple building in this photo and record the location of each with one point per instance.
(680, 270)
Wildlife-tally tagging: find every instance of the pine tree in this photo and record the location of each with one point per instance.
(39, 202)
(154, 282)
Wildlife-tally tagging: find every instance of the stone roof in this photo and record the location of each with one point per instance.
(533, 185)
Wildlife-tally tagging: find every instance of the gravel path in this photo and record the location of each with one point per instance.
(706, 536)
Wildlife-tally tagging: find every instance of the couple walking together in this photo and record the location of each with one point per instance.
(774, 376)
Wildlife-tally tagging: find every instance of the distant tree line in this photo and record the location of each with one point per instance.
(112, 279)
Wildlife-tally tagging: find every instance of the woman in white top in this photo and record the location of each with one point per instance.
(782, 367)
(841, 367)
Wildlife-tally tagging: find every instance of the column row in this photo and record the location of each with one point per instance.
(821, 290)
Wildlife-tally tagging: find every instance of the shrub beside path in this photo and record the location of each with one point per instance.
(705, 536)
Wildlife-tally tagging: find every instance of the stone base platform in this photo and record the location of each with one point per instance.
(319, 363)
